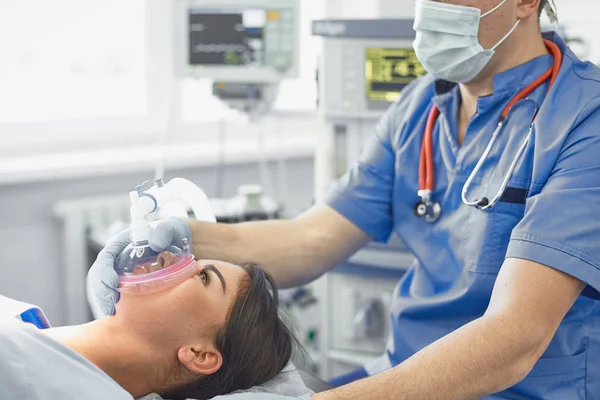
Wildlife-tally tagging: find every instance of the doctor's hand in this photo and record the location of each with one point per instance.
(102, 280)
(168, 232)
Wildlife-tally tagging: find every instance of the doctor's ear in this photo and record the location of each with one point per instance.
(200, 360)
(528, 8)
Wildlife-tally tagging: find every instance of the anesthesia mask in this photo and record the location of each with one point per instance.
(142, 270)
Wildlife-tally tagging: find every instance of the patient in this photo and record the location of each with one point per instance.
(213, 334)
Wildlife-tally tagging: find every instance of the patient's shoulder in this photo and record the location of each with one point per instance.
(33, 365)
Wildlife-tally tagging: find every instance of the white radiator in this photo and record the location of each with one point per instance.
(79, 217)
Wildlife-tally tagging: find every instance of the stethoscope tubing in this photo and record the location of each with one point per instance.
(431, 210)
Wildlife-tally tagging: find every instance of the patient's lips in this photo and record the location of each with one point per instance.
(163, 260)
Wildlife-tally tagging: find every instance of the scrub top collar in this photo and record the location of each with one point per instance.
(505, 84)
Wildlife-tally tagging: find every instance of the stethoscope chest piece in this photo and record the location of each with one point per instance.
(425, 208)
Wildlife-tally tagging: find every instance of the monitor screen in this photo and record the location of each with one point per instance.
(388, 71)
(227, 37)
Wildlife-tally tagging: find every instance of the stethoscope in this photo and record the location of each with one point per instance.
(432, 210)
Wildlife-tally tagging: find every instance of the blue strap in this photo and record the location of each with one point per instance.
(349, 378)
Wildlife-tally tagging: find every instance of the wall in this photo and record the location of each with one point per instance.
(580, 18)
(360, 9)
(30, 236)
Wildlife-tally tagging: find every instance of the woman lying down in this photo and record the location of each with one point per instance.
(213, 334)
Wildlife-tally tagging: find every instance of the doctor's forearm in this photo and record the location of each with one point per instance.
(481, 358)
(293, 251)
(268, 243)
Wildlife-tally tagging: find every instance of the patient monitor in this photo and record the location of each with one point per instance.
(244, 41)
(366, 65)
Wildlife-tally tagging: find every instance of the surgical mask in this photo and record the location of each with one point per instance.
(447, 43)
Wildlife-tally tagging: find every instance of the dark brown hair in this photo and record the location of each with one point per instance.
(255, 343)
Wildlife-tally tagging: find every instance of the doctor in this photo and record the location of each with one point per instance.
(502, 302)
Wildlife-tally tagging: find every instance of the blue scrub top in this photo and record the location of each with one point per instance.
(550, 213)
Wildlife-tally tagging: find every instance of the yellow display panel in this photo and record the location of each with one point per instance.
(388, 71)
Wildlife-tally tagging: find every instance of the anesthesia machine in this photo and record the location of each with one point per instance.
(364, 67)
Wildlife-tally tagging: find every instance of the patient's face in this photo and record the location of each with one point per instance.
(191, 312)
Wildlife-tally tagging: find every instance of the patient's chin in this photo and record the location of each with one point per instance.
(136, 308)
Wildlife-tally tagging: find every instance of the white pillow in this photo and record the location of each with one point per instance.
(258, 396)
(285, 386)
(288, 383)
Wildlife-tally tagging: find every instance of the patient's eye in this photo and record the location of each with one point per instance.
(205, 276)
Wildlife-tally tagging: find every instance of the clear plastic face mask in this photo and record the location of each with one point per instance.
(144, 271)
